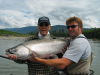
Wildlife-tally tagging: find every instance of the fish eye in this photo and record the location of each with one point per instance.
(11, 51)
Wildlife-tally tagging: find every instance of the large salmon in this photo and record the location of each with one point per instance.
(40, 48)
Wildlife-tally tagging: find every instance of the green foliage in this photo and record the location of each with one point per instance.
(9, 33)
(89, 33)
(32, 33)
(59, 33)
(92, 33)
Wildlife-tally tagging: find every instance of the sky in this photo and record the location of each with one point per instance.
(22, 13)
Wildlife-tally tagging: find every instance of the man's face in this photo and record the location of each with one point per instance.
(74, 29)
(44, 28)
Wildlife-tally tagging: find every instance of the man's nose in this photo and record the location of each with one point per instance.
(69, 28)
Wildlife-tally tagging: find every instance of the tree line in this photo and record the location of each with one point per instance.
(10, 33)
(93, 33)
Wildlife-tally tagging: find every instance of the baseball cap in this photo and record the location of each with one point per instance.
(43, 20)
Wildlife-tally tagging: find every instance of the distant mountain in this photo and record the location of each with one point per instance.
(23, 30)
(57, 27)
(56, 30)
(28, 29)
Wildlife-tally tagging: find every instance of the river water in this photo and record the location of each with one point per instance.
(8, 67)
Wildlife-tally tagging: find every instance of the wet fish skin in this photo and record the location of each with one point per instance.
(40, 48)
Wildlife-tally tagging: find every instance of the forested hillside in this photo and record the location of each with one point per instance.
(10, 33)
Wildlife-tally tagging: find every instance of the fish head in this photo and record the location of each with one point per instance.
(11, 51)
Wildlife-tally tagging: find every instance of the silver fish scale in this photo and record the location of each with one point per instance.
(40, 48)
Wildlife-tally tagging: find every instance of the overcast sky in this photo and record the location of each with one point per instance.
(21, 13)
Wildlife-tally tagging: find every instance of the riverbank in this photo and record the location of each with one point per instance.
(11, 37)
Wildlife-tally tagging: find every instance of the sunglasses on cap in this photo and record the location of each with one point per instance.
(43, 24)
(72, 26)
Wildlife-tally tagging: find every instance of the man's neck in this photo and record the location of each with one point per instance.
(73, 37)
(42, 35)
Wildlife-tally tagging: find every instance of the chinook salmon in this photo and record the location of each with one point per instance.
(39, 48)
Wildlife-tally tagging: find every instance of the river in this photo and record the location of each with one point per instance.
(8, 67)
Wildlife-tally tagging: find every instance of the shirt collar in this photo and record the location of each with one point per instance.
(81, 35)
(41, 36)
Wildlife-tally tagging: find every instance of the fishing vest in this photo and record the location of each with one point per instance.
(80, 68)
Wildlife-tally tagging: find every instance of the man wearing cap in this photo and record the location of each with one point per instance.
(35, 68)
(77, 58)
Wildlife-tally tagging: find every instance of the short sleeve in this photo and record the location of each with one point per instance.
(76, 50)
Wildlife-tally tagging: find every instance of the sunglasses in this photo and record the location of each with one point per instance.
(44, 24)
(72, 26)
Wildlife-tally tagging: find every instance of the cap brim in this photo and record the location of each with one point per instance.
(44, 22)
